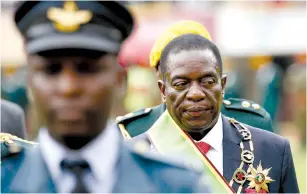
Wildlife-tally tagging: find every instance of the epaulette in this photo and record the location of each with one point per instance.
(122, 120)
(133, 115)
(245, 105)
(11, 145)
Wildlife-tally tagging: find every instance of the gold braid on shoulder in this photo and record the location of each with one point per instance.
(9, 139)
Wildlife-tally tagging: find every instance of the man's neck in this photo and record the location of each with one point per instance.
(76, 142)
(197, 136)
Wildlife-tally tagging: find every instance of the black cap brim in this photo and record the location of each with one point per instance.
(72, 41)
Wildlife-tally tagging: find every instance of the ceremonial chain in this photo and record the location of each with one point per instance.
(247, 156)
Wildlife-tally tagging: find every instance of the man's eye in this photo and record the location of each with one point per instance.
(180, 85)
(208, 82)
(87, 68)
(53, 68)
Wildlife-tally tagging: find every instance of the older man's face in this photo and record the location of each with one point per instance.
(193, 89)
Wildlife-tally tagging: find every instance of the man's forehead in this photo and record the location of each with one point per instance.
(193, 73)
(184, 58)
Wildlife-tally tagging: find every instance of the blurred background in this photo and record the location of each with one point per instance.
(263, 44)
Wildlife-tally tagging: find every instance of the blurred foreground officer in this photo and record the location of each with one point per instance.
(73, 74)
(12, 119)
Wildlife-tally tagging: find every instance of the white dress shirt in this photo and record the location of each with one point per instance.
(215, 139)
(101, 154)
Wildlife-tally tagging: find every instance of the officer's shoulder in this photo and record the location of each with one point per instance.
(244, 105)
(12, 145)
(10, 107)
(138, 122)
(133, 115)
(265, 138)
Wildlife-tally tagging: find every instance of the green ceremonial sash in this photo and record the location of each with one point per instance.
(168, 139)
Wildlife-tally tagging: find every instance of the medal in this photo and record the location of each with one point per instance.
(259, 178)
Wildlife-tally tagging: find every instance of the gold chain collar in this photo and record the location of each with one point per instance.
(247, 155)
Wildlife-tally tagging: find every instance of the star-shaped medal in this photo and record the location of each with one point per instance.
(259, 178)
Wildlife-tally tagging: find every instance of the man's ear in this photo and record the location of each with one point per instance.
(158, 72)
(223, 81)
(161, 85)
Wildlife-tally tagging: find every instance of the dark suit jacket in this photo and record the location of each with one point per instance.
(273, 151)
(27, 172)
(12, 119)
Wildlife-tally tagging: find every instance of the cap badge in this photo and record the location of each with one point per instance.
(69, 18)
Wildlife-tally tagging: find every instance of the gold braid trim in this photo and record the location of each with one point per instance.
(9, 139)
(124, 132)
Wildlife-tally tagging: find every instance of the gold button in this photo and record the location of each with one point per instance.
(246, 104)
(256, 106)
(227, 102)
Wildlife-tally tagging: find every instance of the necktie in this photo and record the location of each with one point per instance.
(203, 147)
(78, 169)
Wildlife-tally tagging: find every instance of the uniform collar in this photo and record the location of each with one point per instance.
(101, 153)
(215, 136)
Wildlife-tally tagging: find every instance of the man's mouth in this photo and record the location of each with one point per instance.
(197, 111)
(69, 115)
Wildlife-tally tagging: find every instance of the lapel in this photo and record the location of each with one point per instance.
(33, 175)
(130, 176)
(231, 149)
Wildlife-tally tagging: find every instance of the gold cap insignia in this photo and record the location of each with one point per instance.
(69, 18)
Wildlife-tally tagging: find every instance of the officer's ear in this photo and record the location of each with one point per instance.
(161, 85)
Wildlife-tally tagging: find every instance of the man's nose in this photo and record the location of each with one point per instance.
(69, 83)
(195, 93)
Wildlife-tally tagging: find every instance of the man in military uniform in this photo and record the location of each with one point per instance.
(194, 130)
(71, 49)
(243, 110)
